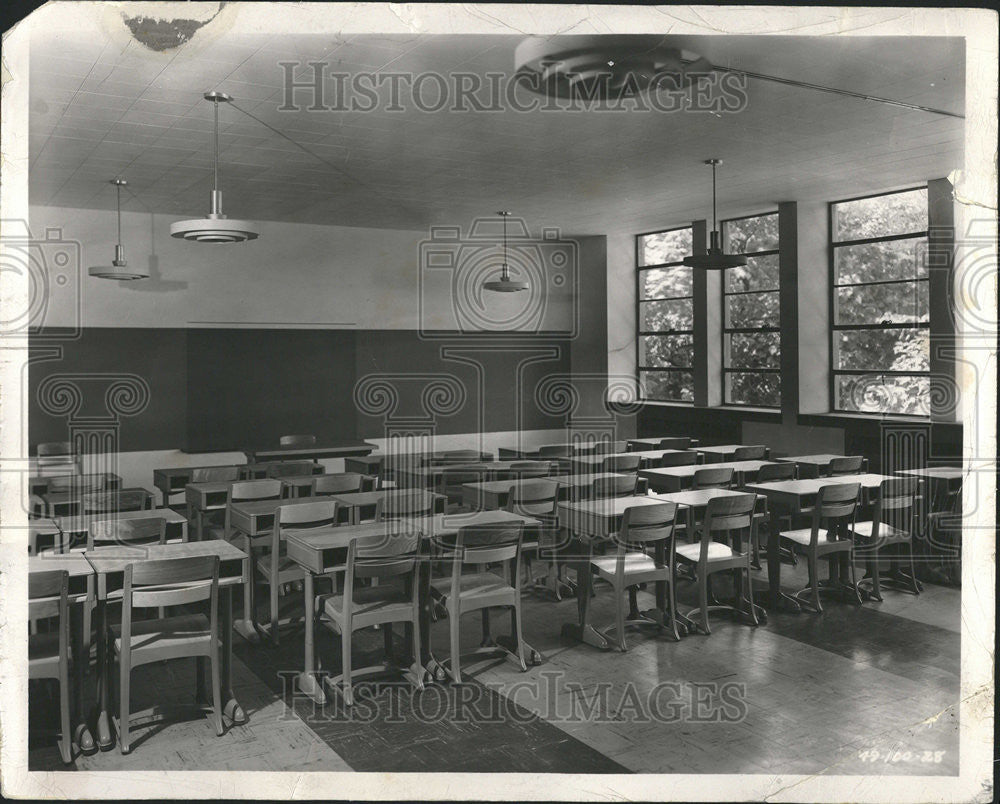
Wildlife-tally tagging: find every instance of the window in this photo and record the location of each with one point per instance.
(751, 338)
(665, 316)
(880, 344)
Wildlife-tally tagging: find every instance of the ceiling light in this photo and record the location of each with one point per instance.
(715, 259)
(505, 284)
(119, 267)
(216, 227)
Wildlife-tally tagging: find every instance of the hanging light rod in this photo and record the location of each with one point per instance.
(715, 259)
(119, 266)
(505, 284)
(216, 227)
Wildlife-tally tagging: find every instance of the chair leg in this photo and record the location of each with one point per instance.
(199, 678)
(703, 601)
(345, 641)
(456, 658)
(620, 617)
(915, 584)
(387, 641)
(125, 673)
(66, 736)
(216, 691)
(518, 637)
(418, 670)
(748, 595)
(814, 581)
(873, 570)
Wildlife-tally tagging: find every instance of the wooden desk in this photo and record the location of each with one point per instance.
(643, 444)
(81, 594)
(109, 565)
(40, 484)
(719, 453)
(44, 534)
(492, 494)
(174, 480)
(584, 464)
(364, 464)
(426, 476)
(676, 478)
(357, 502)
(316, 452)
(946, 473)
(301, 485)
(201, 498)
(810, 465)
(75, 528)
(67, 503)
(579, 486)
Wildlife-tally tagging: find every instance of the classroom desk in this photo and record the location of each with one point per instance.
(386, 466)
(361, 504)
(39, 484)
(719, 452)
(811, 466)
(315, 452)
(174, 480)
(324, 551)
(643, 444)
(109, 565)
(68, 503)
(676, 478)
(75, 528)
(795, 496)
(44, 534)
(427, 476)
(588, 522)
(946, 473)
(584, 464)
(301, 485)
(493, 494)
(532, 453)
(202, 498)
(80, 595)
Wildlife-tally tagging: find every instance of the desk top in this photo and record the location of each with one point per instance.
(812, 486)
(502, 486)
(73, 563)
(698, 498)
(450, 524)
(648, 454)
(81, 522)
(688, 471)
(607, 506)
(720, 449)
(338, 450)
(654, 443)
(360, 499)
(818, 460)
(484, 466)
(936, 472)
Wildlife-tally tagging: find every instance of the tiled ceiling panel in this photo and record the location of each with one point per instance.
(98, 111)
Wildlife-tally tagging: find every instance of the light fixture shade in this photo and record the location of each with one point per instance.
(214, 229)
(505, 285)
(117, 270)
(715, 259)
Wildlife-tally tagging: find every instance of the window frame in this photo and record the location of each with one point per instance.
(640, 332)
(727, 331)
(832, 300)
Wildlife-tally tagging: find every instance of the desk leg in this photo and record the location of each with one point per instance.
(231, 708)
(246, 627)
(777, 599)
(307, 678)
(581, 630)
(426, 659)
(104, 738)
(81, 737)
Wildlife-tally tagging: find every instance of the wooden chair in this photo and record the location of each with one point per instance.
(610, 447)
(248, 491)
(621, 486)
(81, 484)
(215, 474)
(621, 463)
(104, 502)
(346, 483)
(771, 472)
(290, 468)
(944, 532)
(168, 582)
(449, 482)
(850, 465)
(644, 527)
(147, 530)
(730, 517)
(759, 453)
(297, 441)
(539, 499)
(464, 593)
(677, 459)
(404, 503)
(49, 653)
(713, 478)
(389, 562)
(891, 526)
(529, 469)
(675, 442)
(835, 510)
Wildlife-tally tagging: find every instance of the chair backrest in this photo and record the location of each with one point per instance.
(78, 483)
(215, 474)
(621, 463)
(836, 501)
(170, 582)
(454, 456)
(677, 458)
(758, 453)
(48, 597)
(524, 469)
(777, 471)
(254, 490)
(643, 524)
(294, 441)
(619, 486)
(484, 544)
(289, 468)
(729, 513)
(851, 465)
(305, 517)
(609, 447)
(406, 502)
(337, 484)
(896, 501)
(102, 502)
(675, 442)
(51, 448)
(713, 477)
(535, 498)
(384, 555)
(555, 451)
(147, 530)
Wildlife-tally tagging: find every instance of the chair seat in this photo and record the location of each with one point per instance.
(802, 536)
(886, 533)
(477, 583)
(635, 564)
(170, 636)
(716, 551)
(382, 599)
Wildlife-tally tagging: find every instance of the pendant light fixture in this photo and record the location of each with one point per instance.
(715, 259)
(216, 227)
(119, 267)
(505, 284)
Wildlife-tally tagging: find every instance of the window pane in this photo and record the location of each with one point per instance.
(878, 262)
(663, 247)
(754, 350)
(665, 282)
(876, 394)
(665, 351)
(900, 303)
(675, 386)
(760, 273)
(752, 310)
(884, 349)
(666, 315)
(748, 235)
(898, 213)
(746, 388)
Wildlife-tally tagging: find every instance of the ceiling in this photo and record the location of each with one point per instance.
(101, 109)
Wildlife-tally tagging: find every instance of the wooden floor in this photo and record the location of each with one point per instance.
(870, 690)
